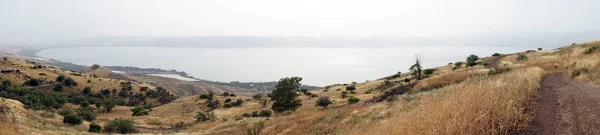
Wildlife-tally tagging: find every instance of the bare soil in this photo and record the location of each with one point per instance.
(565, 107)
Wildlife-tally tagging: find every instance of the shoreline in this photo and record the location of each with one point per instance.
(30, 53)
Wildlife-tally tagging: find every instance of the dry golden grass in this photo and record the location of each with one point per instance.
(495, 105)
(446, 79)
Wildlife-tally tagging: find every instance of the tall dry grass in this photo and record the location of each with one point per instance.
(495, 105)
(445, 79)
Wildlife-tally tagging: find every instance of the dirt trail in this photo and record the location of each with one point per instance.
(495, 60)
(565, 107)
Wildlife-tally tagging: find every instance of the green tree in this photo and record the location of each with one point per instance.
(285, 94)
(471, 60)
(86, 113)
(108, 104)
(323, 101)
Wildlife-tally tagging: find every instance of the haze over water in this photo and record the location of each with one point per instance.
(318, 66)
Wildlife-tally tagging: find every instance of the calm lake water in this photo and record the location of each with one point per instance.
(317, 66)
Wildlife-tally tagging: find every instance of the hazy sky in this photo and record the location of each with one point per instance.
(34, 21)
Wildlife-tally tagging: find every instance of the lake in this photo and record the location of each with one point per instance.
(317, 66)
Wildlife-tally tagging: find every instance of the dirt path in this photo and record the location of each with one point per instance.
(565, 107)
(495, 60)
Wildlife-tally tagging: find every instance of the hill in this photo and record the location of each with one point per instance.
(489, 95)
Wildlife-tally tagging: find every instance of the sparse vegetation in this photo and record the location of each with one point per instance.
(416, 68)
(521, 57)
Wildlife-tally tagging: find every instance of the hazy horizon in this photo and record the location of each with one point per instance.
(33, 22)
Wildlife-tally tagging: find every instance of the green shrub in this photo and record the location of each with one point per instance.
(203, 96)
(576, 72)
(65, 112)
(406, 80)
(95, 127)
(265, 113)
(590, 50)
(458, 64)
(351, 87)
(486, 64)
(139, 111)
(58, 88)
(428, 72)
(227, 100)
(34, 82)
(203, 116)
(353, 100)
(344, 94)
(521, 57)
(42, 74)
(70, 82)
(121, 126)
(261, 113)
(313, 95)
(338, 89)
(496, 54)
(498, 70)
(60, 78)
(323, 101)
(6, 83)
(86, 113)
(72, 120)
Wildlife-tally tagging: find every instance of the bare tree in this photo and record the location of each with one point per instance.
(417, 68)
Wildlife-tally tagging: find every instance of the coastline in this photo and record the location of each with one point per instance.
(30, 54)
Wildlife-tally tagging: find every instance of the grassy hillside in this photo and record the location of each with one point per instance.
(491, 97)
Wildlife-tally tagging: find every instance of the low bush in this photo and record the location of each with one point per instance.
(576, 72)
(353, 100)
(139, 111)
(344, 94)
(72, 119)
(203, 96)
(65, 112)
(95, 127)
(590, 50)
(496, 54)
(260, 113)
(428, 72)
(121, 126)
(34, 82)
(203, 116)
(498, 70)
(521, 57)
(351, 87)
(323, 101)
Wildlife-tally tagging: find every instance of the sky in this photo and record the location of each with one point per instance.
(40, 21)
